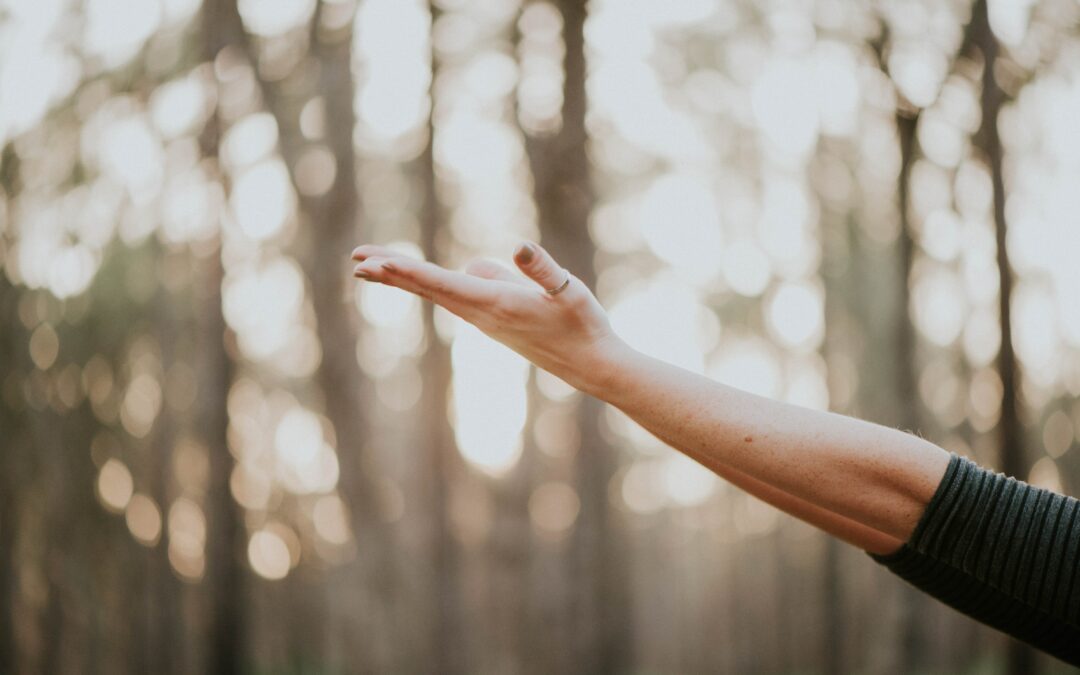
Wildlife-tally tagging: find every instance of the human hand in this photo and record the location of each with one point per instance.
(568, 334)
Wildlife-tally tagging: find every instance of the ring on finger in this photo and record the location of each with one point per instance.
(561, 287)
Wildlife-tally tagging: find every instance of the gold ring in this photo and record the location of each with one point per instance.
(561, 287)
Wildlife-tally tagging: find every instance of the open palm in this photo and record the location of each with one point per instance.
(565, 333)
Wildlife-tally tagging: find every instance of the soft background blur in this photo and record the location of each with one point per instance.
(220, 453)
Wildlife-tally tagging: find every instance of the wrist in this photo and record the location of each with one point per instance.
(602, 367)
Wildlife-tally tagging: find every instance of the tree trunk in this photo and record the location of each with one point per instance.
(437, 437)
(330, 228)
(842, 338)
(11, 340)
(905, 386)
(225, 539)
(225, 543)
(10, 456)
(1021, 658)
(564, 199)
(832, 609)
(165, 591)
(333, 220)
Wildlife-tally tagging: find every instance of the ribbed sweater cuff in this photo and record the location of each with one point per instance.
(1001, 551)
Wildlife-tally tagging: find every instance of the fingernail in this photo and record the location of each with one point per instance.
(525, 252)
(362, 273)
(388, 266)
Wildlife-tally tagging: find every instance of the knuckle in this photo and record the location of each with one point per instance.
(578, 301)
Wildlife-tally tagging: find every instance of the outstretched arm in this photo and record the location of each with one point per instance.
(999, 550)
(843, 528)
(862, 482)
(875, 476)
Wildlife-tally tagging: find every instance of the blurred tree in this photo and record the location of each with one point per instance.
(221, 29)
(333, 223)
(162, 592)
(564, 199)
(1014, 461)
(12, 460)
(441, 463)
(895, 401)
(331, 227)
(843, 336)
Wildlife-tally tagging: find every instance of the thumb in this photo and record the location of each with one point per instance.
(538, 265)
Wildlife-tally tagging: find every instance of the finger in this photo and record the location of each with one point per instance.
(538, 265)
(371, 270)
(365, 251)
(368, 269)
(489, 269)
(431, 281)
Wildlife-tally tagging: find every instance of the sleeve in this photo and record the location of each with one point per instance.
(1002, 552)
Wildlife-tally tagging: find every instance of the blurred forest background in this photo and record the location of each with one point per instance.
(220, 453)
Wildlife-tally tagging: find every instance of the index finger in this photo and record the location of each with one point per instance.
(365, 251)
(436, 283)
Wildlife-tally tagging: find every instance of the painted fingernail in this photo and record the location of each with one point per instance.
(362, 273)
(388, 266)
(525, 252)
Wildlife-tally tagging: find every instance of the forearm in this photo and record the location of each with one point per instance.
(845, 529)
(878, 477)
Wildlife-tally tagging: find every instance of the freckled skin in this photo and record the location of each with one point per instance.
(864, 483)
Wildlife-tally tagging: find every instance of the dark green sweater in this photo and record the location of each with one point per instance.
(1002, 552)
